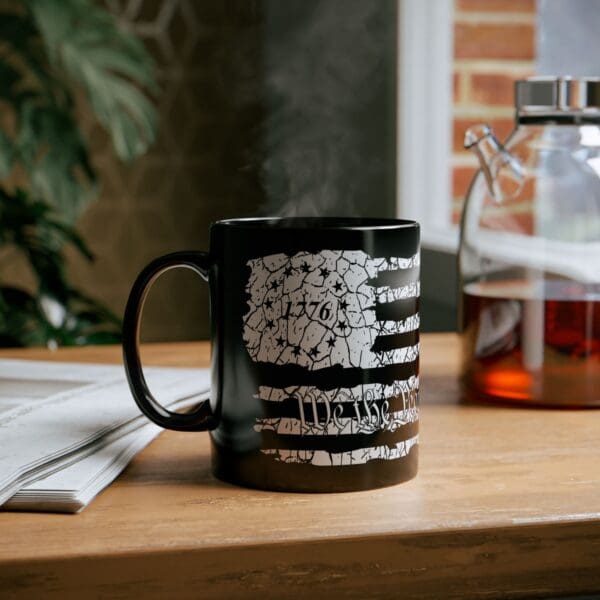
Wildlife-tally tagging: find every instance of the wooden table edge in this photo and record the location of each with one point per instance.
(513, 562)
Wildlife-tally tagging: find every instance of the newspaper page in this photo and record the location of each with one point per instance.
(51, 413)
(71, 488)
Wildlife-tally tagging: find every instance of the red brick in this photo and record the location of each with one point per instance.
(456, 215)
(492, 89)
(526, 6)
(517, 222)
(461, 180)
(457, 206)
(456, 87)
(501, 127)
(494, 40)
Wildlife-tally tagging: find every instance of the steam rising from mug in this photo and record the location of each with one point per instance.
(326, 81)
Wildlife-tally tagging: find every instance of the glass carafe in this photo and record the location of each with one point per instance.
(529, 257)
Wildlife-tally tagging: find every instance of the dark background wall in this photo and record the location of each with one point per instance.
(267, 107)
(439, 295)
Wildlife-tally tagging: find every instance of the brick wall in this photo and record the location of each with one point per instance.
(494, 44)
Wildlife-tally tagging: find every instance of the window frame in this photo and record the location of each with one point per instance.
(424, 121)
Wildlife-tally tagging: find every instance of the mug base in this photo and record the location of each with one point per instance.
(261, 472)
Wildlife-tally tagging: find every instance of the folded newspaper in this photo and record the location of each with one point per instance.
(67, 430)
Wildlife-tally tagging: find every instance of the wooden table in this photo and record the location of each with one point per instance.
(506, 504)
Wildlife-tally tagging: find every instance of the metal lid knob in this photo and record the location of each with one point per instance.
(590, 92)
(561, 97)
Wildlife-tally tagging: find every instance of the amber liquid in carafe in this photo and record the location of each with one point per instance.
(532, 347)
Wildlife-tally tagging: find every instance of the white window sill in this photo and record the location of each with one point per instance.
(440, 239)
(424, 137)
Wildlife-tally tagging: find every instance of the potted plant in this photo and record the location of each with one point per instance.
(54, 58)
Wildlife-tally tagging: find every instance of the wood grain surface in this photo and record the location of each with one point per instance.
(506, 505)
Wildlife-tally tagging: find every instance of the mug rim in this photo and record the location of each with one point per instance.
(321, 223)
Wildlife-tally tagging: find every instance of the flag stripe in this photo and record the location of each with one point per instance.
(321, 458)
(339, 443)
(384, 343)
(395, 277)
(341, 394)
(386, 294)
(340, 425)
(329, 378)
(289, 407)
(389, 327)
(398, 310)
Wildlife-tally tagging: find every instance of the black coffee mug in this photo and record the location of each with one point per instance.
(315, 352)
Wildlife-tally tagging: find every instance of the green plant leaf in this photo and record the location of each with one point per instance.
(21, 321)
(9, 77)
(19, 33)
(56, 157)
(6, 155)
(31, 227)
(69, 234)
(87, 44)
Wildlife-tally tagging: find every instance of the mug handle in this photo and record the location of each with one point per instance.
(202, 418)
